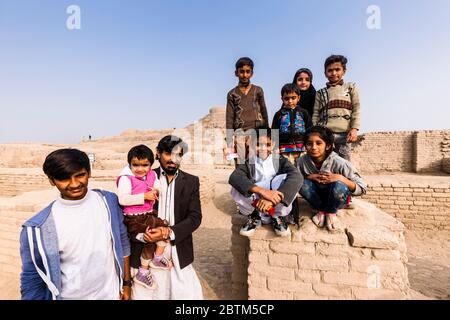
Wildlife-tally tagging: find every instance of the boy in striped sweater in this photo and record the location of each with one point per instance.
(337, 106)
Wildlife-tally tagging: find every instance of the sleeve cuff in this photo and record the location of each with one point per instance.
(140, 237)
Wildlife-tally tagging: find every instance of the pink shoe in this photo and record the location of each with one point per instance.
(332, 223)
(319, 219)
(163, 263)
(145, 278)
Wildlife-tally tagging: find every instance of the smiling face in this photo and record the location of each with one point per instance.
(335, 72)
(264, 147)
(303, 81)
(244, 74)
(316, 148)
(75, 187)
(140, 167)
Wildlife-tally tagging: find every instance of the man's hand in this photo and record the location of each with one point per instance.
(156, 234)
(263, 205)
(151, 195)
(352, 135)
(126, 295)
(274, 196)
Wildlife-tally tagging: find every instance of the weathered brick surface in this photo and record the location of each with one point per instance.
(315, 264)
(426, 206)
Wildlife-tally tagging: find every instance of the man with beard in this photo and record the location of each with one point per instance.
(179, 204)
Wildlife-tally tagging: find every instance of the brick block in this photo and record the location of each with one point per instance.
(257, 281)
(379, 237)
(289, 286)
(283, 260)
(258, 256)
(292, 247)
(382, 254)
(385, 267)
(323, 263)
(327, 290)
(377, 294)
(325, 236)
(279, 273)
(258, 294)
(259, 245)
(334, 250)
(307, 276)
(306, 296)
(346, 278)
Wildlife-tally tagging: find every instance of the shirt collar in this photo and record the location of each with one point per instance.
(340, 83)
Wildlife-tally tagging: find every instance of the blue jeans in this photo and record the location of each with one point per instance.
(325, 197)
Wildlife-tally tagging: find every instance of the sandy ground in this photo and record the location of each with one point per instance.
(428, 252)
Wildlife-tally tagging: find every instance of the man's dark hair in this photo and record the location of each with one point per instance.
(289, 88)
(63, 163)
(168, 143)
(141, 152)
(336, 58)
(244, 61)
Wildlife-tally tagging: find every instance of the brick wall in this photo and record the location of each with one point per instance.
(431, 148)
(402, 151)
(420, 205)
(367, 261)
(384, 152)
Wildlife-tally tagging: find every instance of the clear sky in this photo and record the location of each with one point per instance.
(162, 64)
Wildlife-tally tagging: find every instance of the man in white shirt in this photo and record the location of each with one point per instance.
(77, 248)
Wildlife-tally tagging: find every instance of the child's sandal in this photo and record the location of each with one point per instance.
(332, 223)
(319, 219)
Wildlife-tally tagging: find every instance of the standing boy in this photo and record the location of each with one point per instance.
(77, 248)
(246, 110)
(337, 106)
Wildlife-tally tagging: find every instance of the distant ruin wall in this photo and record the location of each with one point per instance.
(403, 151)
(421, 204)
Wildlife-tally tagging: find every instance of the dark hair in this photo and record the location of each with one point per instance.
(302, 70)
(141, 152)
(289, 88)
(336, 58)
(168, 143)
(244, 61)
(324, 133)
(61, 164)
(264, 131)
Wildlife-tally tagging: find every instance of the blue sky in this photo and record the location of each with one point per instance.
(163, 64)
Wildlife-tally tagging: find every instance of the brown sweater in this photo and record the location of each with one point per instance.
(338, 107)
(246, 111)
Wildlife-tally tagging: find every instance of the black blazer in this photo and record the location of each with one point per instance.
(188, 216)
